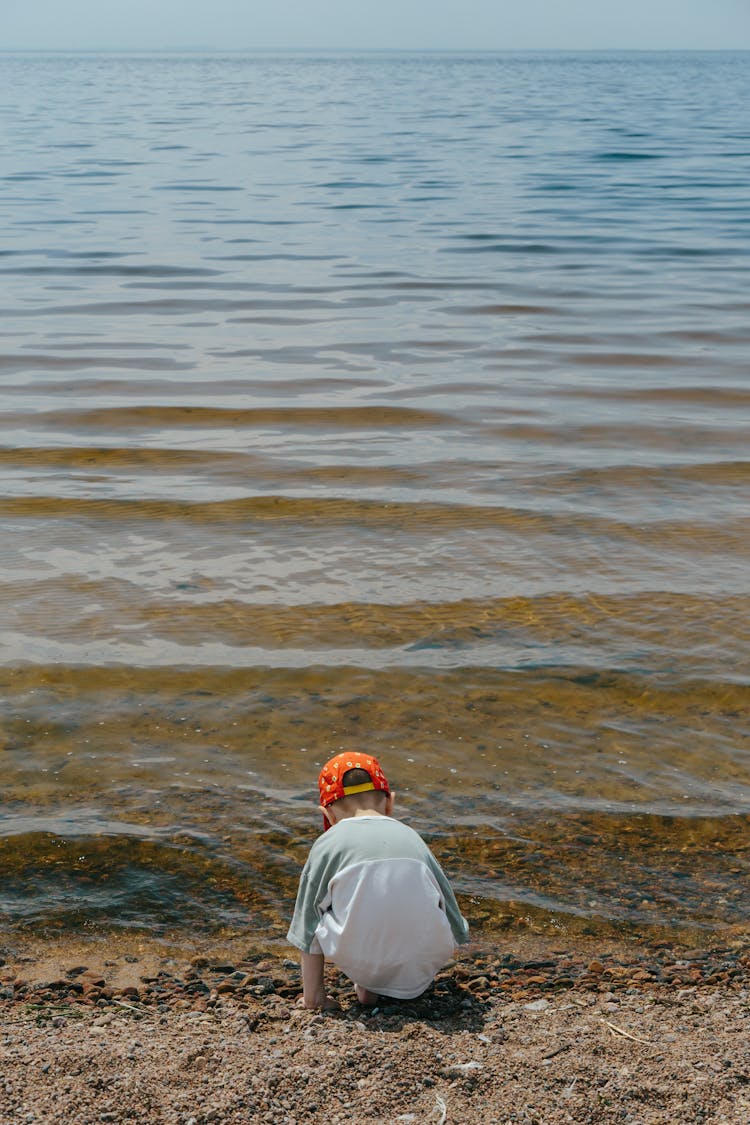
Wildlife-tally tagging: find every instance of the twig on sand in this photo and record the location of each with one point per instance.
(442, 1109)
(626, 1034)
(556, 1051)
(130, 1007)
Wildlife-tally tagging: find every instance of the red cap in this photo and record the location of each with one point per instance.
(330, 783)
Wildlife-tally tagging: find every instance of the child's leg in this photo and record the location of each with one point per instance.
(313, 984)
(366, 997)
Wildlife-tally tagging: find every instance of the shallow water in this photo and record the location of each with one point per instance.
(397, 402)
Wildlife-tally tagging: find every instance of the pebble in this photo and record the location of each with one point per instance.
(262, 990)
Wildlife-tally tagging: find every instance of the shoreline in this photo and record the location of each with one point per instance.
(532, 1029)
(519, 962)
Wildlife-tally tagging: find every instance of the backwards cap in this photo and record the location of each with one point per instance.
(330, 781)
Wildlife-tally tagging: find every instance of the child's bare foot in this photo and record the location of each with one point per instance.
(365, 997)
(324, 1004)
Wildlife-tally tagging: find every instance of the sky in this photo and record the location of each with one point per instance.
(395, 24)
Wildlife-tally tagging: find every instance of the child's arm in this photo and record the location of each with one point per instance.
(313, 985)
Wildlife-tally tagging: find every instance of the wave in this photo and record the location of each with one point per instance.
(343, 417)
(431, 518)
(713, 396)
(676, 873)
(655, 625)
(50, 362)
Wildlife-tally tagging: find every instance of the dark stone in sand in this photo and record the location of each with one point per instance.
(197, 988)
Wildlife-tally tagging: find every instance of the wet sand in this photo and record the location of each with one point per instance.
(528, 1031)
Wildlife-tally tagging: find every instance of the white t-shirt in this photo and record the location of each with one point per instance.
(374, 900)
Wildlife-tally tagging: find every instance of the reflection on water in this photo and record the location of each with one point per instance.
(388, 401)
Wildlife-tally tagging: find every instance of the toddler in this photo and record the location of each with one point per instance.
(372, 897)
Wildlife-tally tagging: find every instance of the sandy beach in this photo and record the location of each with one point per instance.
(523, 1031)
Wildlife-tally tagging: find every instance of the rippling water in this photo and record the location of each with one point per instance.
(398, 402)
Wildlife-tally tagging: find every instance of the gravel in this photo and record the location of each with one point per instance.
(629, 1035)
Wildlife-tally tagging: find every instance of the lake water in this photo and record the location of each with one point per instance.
(399, 402)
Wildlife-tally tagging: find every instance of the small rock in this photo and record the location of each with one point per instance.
(94, 980)
(537, 1005)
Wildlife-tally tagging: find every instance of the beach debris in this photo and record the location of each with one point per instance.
(537, 1005)
(130, 1007)
(549, 1055)
(464, 1068)
(615, 1030)
(568, 1091)
(442, 1109)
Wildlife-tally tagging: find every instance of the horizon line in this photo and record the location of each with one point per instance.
(208, 49)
